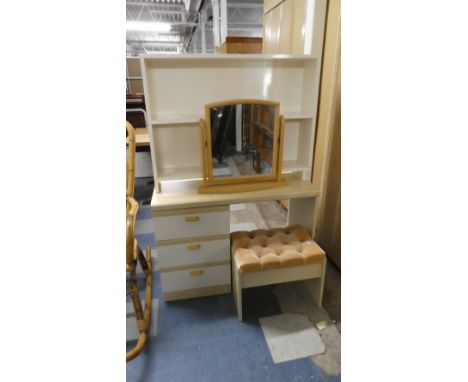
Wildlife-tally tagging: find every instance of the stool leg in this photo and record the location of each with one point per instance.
(315, 286)
(237, 290)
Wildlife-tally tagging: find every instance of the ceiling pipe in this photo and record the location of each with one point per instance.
(216, 31)
(193, 6)
(203, 20)
(223, 21)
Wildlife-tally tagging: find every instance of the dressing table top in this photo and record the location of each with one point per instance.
(296, 188)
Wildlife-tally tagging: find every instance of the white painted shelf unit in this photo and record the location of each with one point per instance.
(177, 87)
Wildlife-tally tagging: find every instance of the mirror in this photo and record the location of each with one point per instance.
(241, 144)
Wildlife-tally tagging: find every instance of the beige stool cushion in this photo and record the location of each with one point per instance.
(260, 250)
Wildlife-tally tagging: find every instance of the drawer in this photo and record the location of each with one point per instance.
(191, 223)
(193, 252)
(195, 278)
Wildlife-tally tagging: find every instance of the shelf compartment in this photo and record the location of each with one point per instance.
(298, 143)
(177, 151)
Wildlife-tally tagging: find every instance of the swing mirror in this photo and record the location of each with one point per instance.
(241, 146)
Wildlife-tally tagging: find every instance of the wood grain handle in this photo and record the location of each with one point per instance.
(198, 272)
(193, 247)
(193, 218)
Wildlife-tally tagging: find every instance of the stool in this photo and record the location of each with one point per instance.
(265, 257)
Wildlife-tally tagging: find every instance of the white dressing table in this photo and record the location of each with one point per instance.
(192, 230)
(192, 235)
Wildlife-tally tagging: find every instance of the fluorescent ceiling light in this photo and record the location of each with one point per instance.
(141, 26)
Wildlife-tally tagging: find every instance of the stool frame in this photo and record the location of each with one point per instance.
(312, 274)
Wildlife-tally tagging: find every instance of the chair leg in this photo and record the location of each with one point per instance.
(237, 291)
(315, 286)
(239, 300)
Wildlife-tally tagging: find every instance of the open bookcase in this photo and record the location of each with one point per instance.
(177, 88)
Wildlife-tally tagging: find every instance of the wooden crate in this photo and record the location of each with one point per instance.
(241, 45)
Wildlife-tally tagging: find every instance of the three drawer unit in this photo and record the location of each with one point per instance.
(193, 249)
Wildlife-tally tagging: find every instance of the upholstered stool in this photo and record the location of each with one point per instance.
(265, 257)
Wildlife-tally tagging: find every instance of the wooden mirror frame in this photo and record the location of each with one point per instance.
(246, 182)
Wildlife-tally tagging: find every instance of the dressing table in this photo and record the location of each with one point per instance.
(192, 229)
(192, 234)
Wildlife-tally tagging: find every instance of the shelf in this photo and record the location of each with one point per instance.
(230, 57)
(294, 165)
(180, 173)
(184, 173)
(177, 119)
(296, 115)
(195, 119)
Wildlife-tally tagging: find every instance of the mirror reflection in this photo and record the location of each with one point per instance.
(242, 139)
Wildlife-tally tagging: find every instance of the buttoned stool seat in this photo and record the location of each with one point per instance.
(264, 257)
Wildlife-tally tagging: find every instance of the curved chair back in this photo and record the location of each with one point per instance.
(130, 159)
(131, 244)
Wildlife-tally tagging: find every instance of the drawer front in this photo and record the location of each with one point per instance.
(192, 224)
(195, 278)
(194, 252)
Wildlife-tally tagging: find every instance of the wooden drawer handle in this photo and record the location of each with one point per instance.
(193, 247)
(198, 272)
(192, 218)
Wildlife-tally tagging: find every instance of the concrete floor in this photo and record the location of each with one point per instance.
(332, 293)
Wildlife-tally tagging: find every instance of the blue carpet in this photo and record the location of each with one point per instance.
(144, 213)
(202, 340)
(144, 239)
